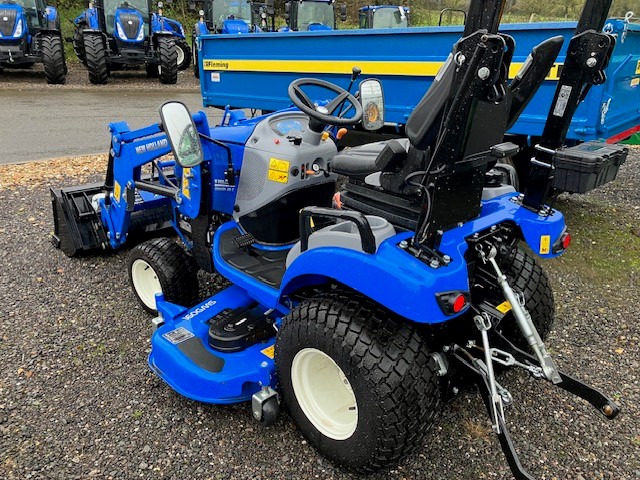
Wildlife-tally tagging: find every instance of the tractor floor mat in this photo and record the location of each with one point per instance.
(77, 226)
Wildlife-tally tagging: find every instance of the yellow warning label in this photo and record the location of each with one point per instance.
(116, 192)
(186, 192)
(545, 244)
(635, 82)
(278, 165)
(280, 177)
(504, 307)
(269, 351)
(638, 68)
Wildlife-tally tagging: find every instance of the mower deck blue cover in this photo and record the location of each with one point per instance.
(181, 356)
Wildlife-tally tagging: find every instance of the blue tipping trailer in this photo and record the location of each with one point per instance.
(255, 71)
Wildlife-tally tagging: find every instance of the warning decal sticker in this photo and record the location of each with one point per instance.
(545, 244)
(278, 170)
(116, 192)
(504, 307)
(269, 351)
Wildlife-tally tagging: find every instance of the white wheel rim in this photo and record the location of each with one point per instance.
(324, 394)
(180, 55)
(145, 282)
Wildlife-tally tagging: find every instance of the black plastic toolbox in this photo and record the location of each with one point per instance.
(587, 166)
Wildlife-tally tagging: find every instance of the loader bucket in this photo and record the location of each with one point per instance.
(77, 226)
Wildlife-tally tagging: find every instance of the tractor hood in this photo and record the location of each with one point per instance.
(232, 25)
(13, 23)
(129, 25)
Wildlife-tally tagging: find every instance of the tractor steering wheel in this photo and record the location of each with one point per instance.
(322, 115)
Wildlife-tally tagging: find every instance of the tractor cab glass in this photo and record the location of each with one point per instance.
(110, 7)
(310, 12)
(389, 18)
(31, 11)
(221, 10)
(182, 134)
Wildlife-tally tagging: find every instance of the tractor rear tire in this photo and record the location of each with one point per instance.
(526, 275)
(161, 265)
(341, 349)
(168, 55)
(78, 43)
(55, 67)
(183, 53)
(96, 57)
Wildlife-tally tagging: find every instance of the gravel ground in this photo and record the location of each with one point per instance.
(77, 77)
(77, 399)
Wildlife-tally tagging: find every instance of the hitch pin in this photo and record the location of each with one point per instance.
(483, 323)
(523, 318)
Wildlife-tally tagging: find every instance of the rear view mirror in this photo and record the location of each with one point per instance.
(183, 136)
(372, 100)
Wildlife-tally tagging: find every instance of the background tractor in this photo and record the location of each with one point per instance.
(115, 34)
(237, 17)
(30, 33)
(383, 16)
(302, 15)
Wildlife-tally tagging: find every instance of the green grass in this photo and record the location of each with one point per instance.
(605, 245)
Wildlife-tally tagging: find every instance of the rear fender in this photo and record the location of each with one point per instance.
(391, 277)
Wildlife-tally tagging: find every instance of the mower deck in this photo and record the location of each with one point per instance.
(182, 357)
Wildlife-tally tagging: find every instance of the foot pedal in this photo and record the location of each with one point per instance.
(237, 329)
(244, 241)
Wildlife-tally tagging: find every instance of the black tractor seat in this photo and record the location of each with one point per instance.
(363, 160)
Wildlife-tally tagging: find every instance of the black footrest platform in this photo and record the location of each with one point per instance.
(587, 166)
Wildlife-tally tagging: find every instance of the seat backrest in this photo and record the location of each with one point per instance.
(424, 122)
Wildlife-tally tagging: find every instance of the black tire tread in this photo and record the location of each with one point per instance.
(176, 269)
(78, 43)
(393, 358)
(96, 59)
(168, 60)
(184, 45)
(526, 275)
(55, 67)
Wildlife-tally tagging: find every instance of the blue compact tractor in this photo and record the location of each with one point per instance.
(234, 17)
(116, 34)
(383, 16)
(30, 33)
(362, 309)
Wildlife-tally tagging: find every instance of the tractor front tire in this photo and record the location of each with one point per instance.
(78, 43)
(96, 57)
(183, 54)
(358, 381)
(161, 265)
(168, 55)
(55, 67)
(526, 275)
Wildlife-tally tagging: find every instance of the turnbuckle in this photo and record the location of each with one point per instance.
(522, 316)
(508, 360)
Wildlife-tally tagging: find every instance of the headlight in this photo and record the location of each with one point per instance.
(18, 32)
(121, 32)
(140, 33)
